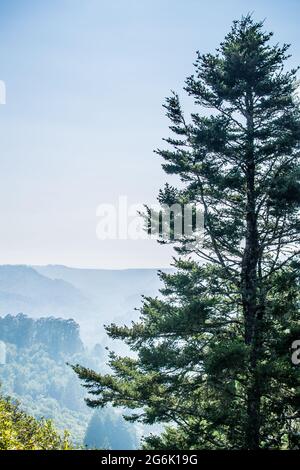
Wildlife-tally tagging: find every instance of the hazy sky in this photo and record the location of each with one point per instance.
(85, 83)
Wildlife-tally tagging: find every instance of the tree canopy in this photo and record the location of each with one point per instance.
(20, 431)
(212, 355)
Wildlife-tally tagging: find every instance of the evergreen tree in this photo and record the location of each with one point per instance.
(213, 356)
(95, 436)
(107, 430)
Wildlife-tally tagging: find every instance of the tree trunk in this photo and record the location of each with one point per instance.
(249, 290)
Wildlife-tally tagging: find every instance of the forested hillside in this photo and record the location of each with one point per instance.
(36, 374)
(63, 305)
(56, 336)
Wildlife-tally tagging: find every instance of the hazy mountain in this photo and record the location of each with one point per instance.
(56, 336)
(35, 371)
(23, 289)
(92, 297)
(101, 283)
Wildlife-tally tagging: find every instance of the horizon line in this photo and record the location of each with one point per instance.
(56, 265)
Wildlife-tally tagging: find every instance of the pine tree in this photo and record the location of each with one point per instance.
(108, 430)
(213, 355)
(96, 433)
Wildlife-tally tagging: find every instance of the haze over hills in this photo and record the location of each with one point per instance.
(39, 342)
(92, 297)
(22, 288)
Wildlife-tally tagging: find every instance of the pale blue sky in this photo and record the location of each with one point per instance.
(85, 83)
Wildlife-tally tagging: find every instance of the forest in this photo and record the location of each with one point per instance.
(204, 364)
(36, 375)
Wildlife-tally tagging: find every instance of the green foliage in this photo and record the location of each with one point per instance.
(36, 374)
(19, 431)
(212, 356)
(46, 388)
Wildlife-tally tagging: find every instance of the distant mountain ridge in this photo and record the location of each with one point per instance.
(92, 297)
(23, 289)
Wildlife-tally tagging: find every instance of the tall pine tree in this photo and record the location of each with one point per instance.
(213, 355)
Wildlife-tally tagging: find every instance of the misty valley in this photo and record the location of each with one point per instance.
(43, 314)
